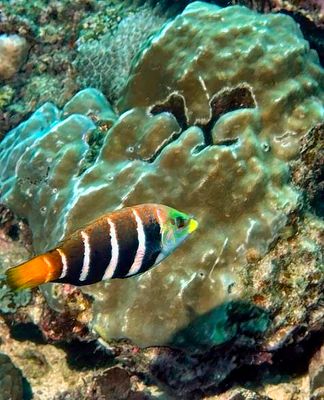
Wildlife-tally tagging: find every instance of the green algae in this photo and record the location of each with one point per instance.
(222, 324)
(11, 301)
(6, 95)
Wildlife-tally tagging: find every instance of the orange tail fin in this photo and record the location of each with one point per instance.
(38, 270)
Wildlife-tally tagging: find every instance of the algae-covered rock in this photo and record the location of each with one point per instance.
(10, 301)
(316, 372)
(10, 380)
(214, 107)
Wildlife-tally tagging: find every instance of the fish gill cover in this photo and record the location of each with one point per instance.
(214, 107)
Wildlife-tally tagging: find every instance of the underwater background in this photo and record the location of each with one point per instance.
(214, 108)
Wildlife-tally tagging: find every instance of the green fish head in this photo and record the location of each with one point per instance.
(176, 227)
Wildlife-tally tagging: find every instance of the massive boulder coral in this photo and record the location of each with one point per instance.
(207, 53)
(214, 107)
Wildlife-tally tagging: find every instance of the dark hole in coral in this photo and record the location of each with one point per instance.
(28, 331)
(266, 147)
(226, 142)
(174, 105)
(53, 14)
(226, 101)
(230, 100)
(86, 355)
(13, 232)
(171, 139)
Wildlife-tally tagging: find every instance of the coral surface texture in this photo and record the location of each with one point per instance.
(213, 111)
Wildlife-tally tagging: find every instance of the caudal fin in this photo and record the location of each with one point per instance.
(32, 273)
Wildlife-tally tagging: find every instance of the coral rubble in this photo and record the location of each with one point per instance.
(214, 108)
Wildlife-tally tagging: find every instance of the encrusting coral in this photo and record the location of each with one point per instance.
(110, 58)
(213, 109)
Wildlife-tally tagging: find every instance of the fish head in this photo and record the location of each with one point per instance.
(176, 227)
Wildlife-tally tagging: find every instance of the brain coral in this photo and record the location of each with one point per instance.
(213, 109)
(109, 58)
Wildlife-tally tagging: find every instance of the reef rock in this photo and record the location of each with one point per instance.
(10, 380)
(316, 372)
(213, 110)
(13, 51)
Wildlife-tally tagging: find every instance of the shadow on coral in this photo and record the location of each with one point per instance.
(236, 363)
(85, 355)
(27, 331)
(219, 341)
(80, 355)
(27, 390)
(222, 324)
(281, 368)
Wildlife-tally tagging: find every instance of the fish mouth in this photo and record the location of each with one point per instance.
(193, 225)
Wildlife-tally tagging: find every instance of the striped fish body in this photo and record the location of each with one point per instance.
(120, 244)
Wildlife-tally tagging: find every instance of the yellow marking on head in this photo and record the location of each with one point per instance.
(193, 225)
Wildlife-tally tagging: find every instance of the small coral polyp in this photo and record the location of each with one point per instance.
(213, 109)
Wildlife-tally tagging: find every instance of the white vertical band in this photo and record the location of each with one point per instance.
(140, 253)
(110, 270)
(64, 264)
(86, 258)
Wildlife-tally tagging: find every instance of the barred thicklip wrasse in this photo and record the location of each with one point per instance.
(119, 244)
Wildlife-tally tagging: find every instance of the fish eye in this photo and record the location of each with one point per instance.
(180, 222)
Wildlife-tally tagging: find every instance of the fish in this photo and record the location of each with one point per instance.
(119, 244)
